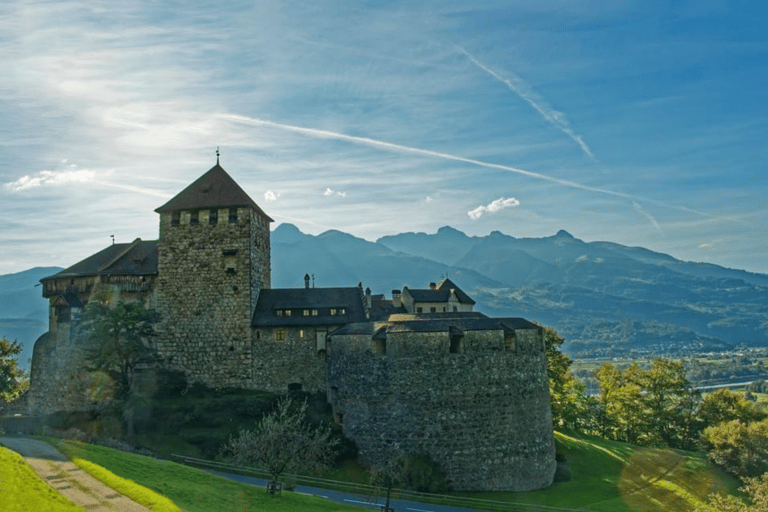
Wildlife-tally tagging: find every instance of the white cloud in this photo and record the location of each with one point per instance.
(493, 207)
(50, 178)
(330, 192)
(271, 196)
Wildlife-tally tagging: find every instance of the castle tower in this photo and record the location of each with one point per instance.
(213, 260)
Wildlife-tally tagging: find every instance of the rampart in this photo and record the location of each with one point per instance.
(482, 412)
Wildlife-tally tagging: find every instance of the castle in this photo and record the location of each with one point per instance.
(421, 370)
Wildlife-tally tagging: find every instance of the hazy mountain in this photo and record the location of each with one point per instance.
(23, 310)
(606, 299)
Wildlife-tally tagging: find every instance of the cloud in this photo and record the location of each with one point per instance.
(523, 89)
(271, 196)
(330, 192)
(495, 206)
(50, 178)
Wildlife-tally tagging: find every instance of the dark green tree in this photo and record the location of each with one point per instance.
(122, 339)
(570, 407)
(13, 379)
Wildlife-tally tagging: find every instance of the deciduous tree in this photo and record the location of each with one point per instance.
(283, 441)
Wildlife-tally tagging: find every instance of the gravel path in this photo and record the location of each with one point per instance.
(71, 481)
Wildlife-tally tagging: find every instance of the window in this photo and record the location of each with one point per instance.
(279, 312)
(279, 335)
(233, 215)
(258, 335)
(455, 309)
(287, 312)
(194, 220)
(301, 333)
(213, 217)
(432, 310)
(306, 312)
(175, 219)
(333, 312)
(419, 309)
(314, 312)
(342, 311)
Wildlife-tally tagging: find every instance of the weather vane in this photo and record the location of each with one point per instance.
(217, 155)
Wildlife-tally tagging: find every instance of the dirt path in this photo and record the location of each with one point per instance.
(71, 481)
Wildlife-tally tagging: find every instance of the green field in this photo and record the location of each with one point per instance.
(192, 489)
(607, 476)
(21, 490)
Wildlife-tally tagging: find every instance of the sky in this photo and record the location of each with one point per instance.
(640, 123)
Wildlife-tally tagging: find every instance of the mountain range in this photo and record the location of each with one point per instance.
(606, 299)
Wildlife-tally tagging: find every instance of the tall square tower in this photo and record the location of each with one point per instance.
(213, 260)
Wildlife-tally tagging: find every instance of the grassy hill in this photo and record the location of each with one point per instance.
(607, 476)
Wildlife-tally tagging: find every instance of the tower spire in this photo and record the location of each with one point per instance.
(217, 155)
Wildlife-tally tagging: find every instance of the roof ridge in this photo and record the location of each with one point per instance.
(119, 256)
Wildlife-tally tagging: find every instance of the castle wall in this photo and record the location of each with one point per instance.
(293, 359)
(484, 413)
(60, 379)
(208, 279)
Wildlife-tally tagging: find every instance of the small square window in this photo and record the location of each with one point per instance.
(287, 312)
(175, 219)
(279, 312)
(333, 312)
(432, 310)
(314, 312)
(342, 311)
(279, 335)
(233, 215)
(213, 218)
(306, 312)
(419, 309)
(194, 219)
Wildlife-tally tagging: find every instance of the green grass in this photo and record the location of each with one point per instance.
(193, 489)
(21, 490)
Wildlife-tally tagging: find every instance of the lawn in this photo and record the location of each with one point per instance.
(21, 490)
(610, 476)
(192, 489)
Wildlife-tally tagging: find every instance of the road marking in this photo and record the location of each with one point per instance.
(370, 504)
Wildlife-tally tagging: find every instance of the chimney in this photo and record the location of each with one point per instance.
(396, 298)
(368, 297)
(432, 286)
(306, 281)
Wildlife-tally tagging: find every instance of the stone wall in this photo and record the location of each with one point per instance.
(484, 413)
(209, 277)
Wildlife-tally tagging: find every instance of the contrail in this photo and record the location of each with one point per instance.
(645, 214)
(325, 134)
(522, 89)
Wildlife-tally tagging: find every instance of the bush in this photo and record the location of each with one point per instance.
(426, 475)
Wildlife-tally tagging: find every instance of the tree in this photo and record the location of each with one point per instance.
(756, 490)
(725, 405)
(390, 471)
(668, 398)
(283, 441)
(737, 447)
(12, 378)
(122, 340)
(567, 396)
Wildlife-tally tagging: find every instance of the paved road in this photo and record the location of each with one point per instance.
(354, 499)
(79, 487)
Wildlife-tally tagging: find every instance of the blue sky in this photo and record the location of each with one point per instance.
(642, 123)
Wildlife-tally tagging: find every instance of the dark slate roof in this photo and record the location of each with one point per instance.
(136, 258)
(298, 299)
(355, 328)
(214, 189)
(440, 294)
(448, 324)
(381, 308)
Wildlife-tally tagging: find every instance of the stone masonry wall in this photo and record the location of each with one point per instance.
(484, 414)
(295, 359)
(208, 279)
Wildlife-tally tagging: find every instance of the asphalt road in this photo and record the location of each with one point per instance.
(354, 499)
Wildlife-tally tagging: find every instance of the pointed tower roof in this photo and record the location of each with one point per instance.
(214, 189)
